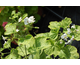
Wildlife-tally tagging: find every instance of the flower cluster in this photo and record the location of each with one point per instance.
(70, 41)
(65, 37)
(27, 20)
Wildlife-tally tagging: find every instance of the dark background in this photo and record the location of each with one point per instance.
(57, 13)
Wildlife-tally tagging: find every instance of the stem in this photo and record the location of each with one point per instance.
(25, 52)
(35, 33)
(21, 50)
(32, 56)
(6, 53)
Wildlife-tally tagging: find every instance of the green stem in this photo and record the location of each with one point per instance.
(21, 50)
(26, 51)
(6, 53)
(35, 33)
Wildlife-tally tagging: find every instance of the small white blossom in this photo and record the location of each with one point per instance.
(66, 42)
(3, 37)
(17, 30)
(60, 42)
(26, 21)
(69, 42)
(31, 19)
(69, 31)
(72, 37)
(19, 20)
(64, 36)
(73, 26)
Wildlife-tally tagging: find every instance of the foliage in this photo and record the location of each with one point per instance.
(43, 45)
(5, 13)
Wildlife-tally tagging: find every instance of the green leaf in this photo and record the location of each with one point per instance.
(42, 43)
(22, 51)
(30, 57)
(66, 22)
(77, 34)
(1, 49)
(60, 43)
(7, 44)
(56, 51)
(48, 57)
(24, 16)
(35, 53)
(13, 12)
(29, 41)
(64, 53)
(13, 55)
(43, 55)
(10, 28)
(34, 56)
(37, 18)
(49, 50)
(69, 52)
(73, 52)
(53, 34)
(54, 25)
(42, 35)
(77, 37)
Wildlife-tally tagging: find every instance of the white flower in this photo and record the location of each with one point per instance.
(72, 37)
(31, 19)
(3, 37)
(66, 42)
(19, 20)
(60, 42)
(26, 21)
(69, 42)
(69, 31)
(73, 26)
(17, 30)
(64, 36)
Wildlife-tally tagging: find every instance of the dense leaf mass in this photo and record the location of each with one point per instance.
(43, 45)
